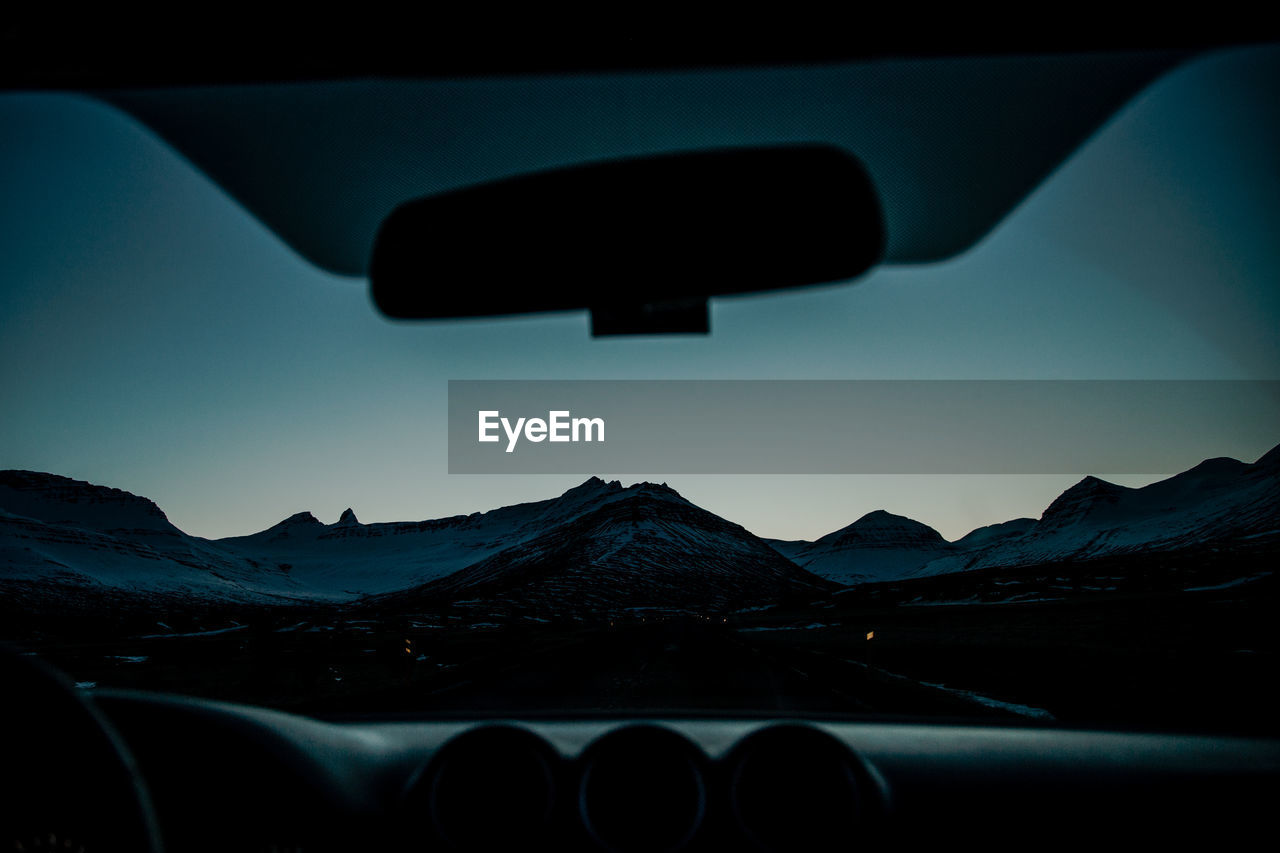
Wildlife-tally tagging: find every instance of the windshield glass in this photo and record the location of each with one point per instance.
(228, 475)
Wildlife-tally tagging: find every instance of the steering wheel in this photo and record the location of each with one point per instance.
(69, 783)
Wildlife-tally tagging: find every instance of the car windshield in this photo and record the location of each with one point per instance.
(1035, 483)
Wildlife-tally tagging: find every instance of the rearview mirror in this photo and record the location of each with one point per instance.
(642, 243)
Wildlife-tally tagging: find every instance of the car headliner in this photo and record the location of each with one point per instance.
(951, 143)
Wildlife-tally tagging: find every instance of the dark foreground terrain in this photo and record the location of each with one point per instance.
(1025, 645)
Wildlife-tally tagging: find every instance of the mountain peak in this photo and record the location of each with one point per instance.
(1217, 466)
(879, 519)
(657, 488)
(299, 518)
(298, 523)
(878, 546)
(62, 500)
(881, 527)
(593, 486)
(881, 516)
(1082, 498)
(347, 519)
(1092, 486)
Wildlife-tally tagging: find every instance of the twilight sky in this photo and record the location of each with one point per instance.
(156, 338)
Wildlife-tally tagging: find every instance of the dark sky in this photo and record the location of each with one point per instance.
(156, 338)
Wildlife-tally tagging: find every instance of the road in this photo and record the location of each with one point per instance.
(667, 667)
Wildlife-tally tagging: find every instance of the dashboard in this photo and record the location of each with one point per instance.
(226, 777)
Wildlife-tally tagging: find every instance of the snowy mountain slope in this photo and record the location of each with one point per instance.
(985, 537)
(58, 530)
(596, 543)
(62, 501)
(1218, 501)
(645, 546)
(878, 546)
(645, 541)
(350, 559)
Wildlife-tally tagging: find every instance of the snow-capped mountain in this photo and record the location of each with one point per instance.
(349, 559)
(597, 545)
(646, 539)
(55, 531)
(878, 546)
(1217, 502)
(63, 501)
(641, 546)
(985, 537)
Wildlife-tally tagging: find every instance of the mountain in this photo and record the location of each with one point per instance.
(598, 545)
(55, 500)
(985, 537)
(69, 534)
(882, 546)
(1217, 503)
(350, 560)
(878, 546)
(644, 545)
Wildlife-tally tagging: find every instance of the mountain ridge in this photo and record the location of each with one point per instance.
(300, 558)
(1216, 499)
(631, 542)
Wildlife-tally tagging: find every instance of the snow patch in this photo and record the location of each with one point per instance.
(194, 633)
(1230, 584)
(1013, 707)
